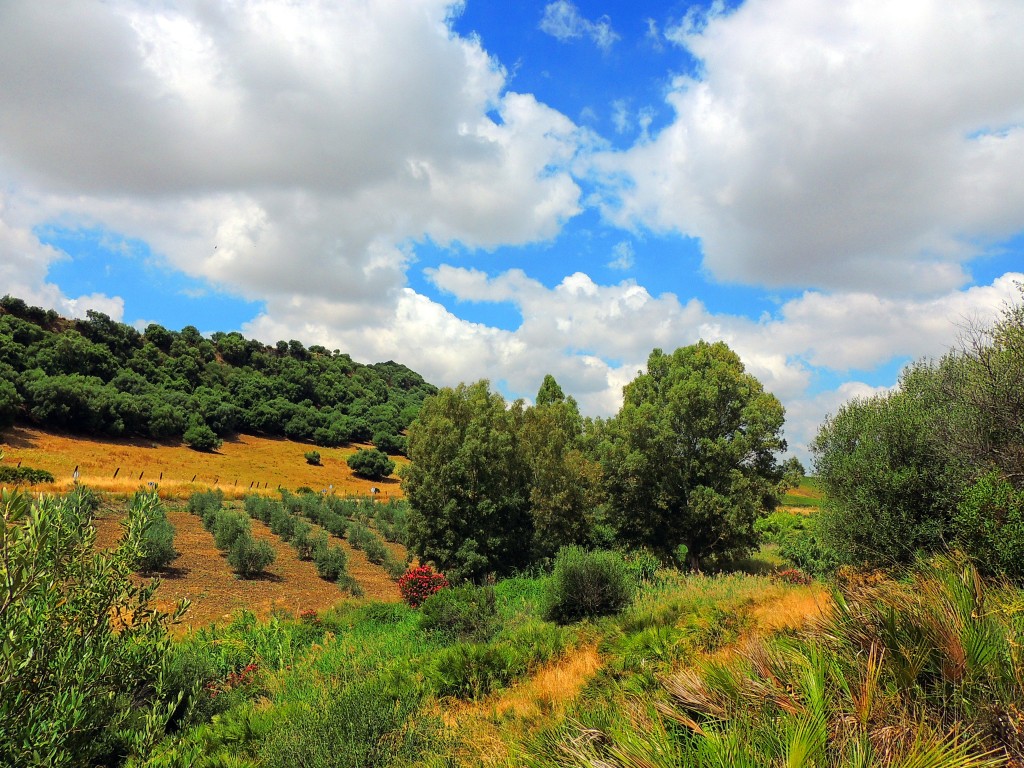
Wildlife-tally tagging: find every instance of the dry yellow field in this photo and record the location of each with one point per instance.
(243, 464)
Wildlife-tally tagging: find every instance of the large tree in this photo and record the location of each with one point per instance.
(468, 483)
(691, 458)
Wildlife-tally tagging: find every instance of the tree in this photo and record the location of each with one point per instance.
(691, 456)
(565, 485)
(371, 464)
(885, 474)
(468, 483)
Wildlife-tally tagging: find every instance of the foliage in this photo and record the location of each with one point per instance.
(79, 697)
(565, 484)
(587, 584)
(157, 545)
(250, 557)
(989, 523)
(370, 463)
(468, 484)
(691, 456)
(24, 475)
(330, 562)
(419, 583)
(312, 457)
(98, 376)
(201, 438)
(887, 483)
(466, 613)
(473, 670)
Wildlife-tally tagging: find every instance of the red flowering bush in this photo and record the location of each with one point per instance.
(417, 584)
(243, 677)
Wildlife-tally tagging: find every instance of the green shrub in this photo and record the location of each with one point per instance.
(157, 545)
(587, 584)
(200, 437)
(463, 613)
(643, 565)
(473, 670)
(24, 475)
(282, 522)
(330, 562)
(371, 464)
(312, 457)
(77, 686)
(302, 540)
(206, 504)
(248, 556)
(227, 527)
(989, 525)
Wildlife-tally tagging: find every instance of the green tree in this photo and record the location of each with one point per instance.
(565, 485)
(691, 456)
(371, 464)
(468, 483)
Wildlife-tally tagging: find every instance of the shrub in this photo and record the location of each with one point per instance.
(227, 527)
(420, 583)
(65, 658)
(157, 545)
(587, 584)
(312, 457)
(302, 540)
(989, 525)
(282, 523)
(330, 562)
(24, 475)
(200, 437)
(643, 564)
(464, 613)
(248, 556)
(473, 670)
(371, 464)
(205, 504)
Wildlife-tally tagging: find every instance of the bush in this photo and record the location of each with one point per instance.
(302, 540)
(249, 557)
(205, 504)
(282, 523)
(228, 526)
(24, 475)
(420, 583)
(587, 584)
(312, 457)
(157, 545)
(473, 670)
(463, 613)
(200, 437)
(989, 525)
(371, 464)
(330, 562)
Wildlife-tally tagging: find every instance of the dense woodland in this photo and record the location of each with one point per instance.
(97, 376)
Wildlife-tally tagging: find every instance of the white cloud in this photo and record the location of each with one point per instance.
(624, 255)
(862, 145)
(563, 21)
(274, 147)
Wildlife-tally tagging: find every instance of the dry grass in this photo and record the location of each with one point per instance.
(487, 726)
(240, 466)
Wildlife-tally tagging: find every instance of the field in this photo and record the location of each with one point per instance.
(242, 465)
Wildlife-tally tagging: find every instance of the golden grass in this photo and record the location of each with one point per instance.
(244, 464)
(488, 726)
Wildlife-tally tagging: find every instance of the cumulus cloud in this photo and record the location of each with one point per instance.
(563, 21)
(863, 145)
(276, 147)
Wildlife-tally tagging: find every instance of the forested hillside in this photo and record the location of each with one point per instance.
(98, 376)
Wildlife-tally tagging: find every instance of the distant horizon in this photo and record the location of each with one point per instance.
(486, 190)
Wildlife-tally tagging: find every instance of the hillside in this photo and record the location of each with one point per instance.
(104, 378)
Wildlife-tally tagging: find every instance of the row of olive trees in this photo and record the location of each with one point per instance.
(937, 462)
(686, 467)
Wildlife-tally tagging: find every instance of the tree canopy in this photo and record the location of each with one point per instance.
(691, 458)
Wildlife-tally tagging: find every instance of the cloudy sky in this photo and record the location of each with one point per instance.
(506, 189)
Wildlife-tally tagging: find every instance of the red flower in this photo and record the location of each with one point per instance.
(420, 583)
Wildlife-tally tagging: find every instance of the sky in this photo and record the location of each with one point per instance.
(502, 190)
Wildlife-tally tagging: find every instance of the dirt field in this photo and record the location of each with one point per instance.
(240, 466)
(202, 575)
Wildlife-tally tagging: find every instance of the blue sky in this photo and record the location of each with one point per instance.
(502, 190)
